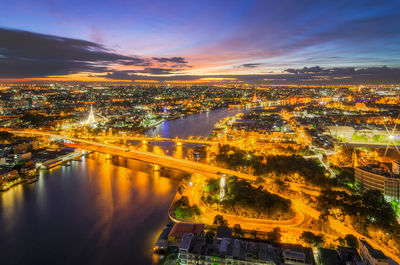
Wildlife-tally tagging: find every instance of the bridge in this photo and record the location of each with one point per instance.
(195, 167)
(190, 140)
(144, 139)
(148, 157)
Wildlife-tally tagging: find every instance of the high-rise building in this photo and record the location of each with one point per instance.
(373, 177)
(372, 256)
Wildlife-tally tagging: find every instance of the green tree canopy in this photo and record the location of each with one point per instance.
(312, 239)
(220, 221)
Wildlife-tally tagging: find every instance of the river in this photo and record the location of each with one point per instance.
(99, 210)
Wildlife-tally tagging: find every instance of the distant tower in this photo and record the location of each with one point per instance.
(91, 116)
(254, 97)
(354, 158)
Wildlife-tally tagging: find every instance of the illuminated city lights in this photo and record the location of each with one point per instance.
(188, 132)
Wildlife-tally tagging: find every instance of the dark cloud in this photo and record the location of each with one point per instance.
(305, 75)
(176, 60)
(156, 71)
(306, 70)
(28, 55)
(250, 65)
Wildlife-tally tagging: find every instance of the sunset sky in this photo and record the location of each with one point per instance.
(285, 41)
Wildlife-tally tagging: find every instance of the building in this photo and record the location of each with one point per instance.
(341, 131)
(177, 232)
(224, 232)
(213, 251)
(373, 177)
(349, 256)
(22, 156)
(3, 161)
(372, 256)
(162, 242)
(297, 255)
(328, 257)
(7, 174)
(396, 167)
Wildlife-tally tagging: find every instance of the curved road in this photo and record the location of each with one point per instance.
(189, 166)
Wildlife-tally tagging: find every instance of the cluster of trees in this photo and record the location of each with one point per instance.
(243, 199)
(345, 177)
(369, 209)
(220, 221)
(34, 119)
(293, 168)
(312, 239)
(237, 230)
(275, 235)
(6, 137)
(290, 167)
(359, 138)
(379, 138)
(348, 241)
(236, 159)
(183, 210)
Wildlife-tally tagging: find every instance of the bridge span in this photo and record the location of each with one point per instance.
(148, 157)
(198, 140)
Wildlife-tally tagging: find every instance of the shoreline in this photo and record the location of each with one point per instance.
(34, 177)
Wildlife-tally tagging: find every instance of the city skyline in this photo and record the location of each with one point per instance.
(290, 42)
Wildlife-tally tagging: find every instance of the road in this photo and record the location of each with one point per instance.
(207, 170)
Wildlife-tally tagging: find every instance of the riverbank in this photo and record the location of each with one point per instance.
(31, 175)
(106, 216)
(62, 159)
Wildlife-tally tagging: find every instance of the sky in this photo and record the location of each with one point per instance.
(265, 41)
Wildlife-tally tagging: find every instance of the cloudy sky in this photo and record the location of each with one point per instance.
(265, 41)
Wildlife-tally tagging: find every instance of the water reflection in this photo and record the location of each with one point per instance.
(200, 124)
(98, 211)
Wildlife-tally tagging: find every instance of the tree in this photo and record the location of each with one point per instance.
(280, 185)
(351, 241)
(34, 119)
(187, 176)
(341, 241)
(244, 199)
(311, 239)
(253, 233)
(210, 233)
(220, 221)
(6, 136)
(187, 212)
(181, 189)
(237, 230)
(182, 202)
(274, 235)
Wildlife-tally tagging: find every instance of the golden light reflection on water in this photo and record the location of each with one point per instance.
(144, 147)
(11, 202)
(102, 195)
(158, 150)
(102, 170)
(178, 152)
(161, 185)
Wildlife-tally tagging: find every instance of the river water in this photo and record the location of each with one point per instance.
(99, 210)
